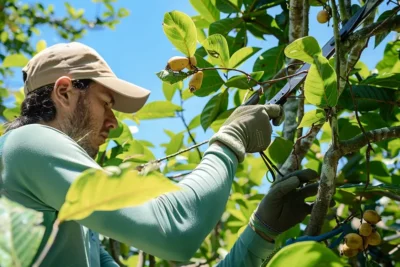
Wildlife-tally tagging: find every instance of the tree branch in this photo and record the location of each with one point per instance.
(373, 29)
(356, 143)
(296, 156)
(326, 190)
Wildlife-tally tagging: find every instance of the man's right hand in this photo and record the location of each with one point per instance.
(248, 129)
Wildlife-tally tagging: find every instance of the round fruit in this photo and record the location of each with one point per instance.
(348, 252)
(365, 229)
(195, 82)
(192, 62)
(353, 241)
(323, 16)
(371, 216)
(374, 239)
(178, 63)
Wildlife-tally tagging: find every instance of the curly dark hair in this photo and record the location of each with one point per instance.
(38, 105)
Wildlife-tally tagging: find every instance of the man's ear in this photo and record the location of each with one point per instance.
(63, 91)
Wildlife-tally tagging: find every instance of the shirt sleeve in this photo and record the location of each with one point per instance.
(171, 227)
(250, 250)
(106, 260)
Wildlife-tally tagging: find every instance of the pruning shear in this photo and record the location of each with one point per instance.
(328, 51)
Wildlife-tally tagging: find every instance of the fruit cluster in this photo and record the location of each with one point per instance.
(367, 235)
(179, 63)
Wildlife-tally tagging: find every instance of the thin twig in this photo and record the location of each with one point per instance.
(48, 245)
(296, 144)
(180, 114)
(114, 253)
(172, 177)
(142, 259)
(152, 261)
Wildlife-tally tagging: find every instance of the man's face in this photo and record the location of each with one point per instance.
(90, 122)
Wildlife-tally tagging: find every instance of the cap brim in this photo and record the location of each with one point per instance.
(128, 97)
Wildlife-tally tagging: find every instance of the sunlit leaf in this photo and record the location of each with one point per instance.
(206, 8)
(390, 58)
(170, 89)
(41, 45)
(217, 123)
(316, 117)
(321, 85)
(97, 190)
(305, 254)
(387, 80)
(157, 109)
(304, 49)
(242, 55)
(20, 233)
(15, 60)
(181, 31)
(195, 122)
(217, 49)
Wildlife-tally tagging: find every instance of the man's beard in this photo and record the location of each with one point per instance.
(80, 126)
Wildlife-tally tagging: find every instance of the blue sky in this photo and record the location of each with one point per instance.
(138, 48)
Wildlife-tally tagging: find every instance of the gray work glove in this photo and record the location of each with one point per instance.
(248, 130)
(284, 207)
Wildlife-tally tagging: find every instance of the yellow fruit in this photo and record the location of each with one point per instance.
(192, 62)
(353, 241)
(348, 252)
(195, 82)
(365, 229)
(371, 216)
(178, 63)
(323, 16)
(374, 239)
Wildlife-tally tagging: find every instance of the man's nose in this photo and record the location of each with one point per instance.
(111, 120)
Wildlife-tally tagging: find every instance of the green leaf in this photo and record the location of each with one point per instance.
(157, 110)
(11, 113)
(170, 89)
(175, 144)
(305, 254)
(41, 45)
(279, 150)
(291, 233)
(217, 123)
(206, 8)
(242, 82)
(115, 188)
(171, 76)
(15, 60)
(212, 81)
(195, 122)
(123, 12)
(200, 22)
(359, 188)
(242, 55)
(390, 59)
(316, 117)
(304, 49)
(217, 48)
(321, 85)
(270, 61)
(229, 6)
(237, 42)
(20, 233)
(4, 36)
(121, 134)
(181, 31)
(224, 26)
(216, 105)
(388, 80)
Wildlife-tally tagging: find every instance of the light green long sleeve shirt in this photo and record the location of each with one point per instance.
(39, 163)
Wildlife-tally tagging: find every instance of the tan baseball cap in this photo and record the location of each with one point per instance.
(79, 61)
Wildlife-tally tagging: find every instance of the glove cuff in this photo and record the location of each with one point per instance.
(261, 226)
(233, 143)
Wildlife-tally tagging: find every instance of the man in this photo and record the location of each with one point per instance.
(67, 114)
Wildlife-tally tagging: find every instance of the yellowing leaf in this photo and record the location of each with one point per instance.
(100, 190)
(41, 45)
(157, 109)
(304, 49)
(217, 48)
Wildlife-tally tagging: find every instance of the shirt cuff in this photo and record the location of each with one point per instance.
(256, 244)
(221, 148)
